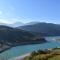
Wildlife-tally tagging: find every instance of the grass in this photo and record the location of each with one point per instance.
(55, 58)
(57, 39)
(52, 54)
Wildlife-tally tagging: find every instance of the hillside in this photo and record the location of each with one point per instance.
(11, 37)
(52, 54)
(44, 28)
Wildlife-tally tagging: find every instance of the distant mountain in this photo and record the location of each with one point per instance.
(45, 28)
(12, 37)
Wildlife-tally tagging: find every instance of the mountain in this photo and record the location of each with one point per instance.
(12, 37)
(44, 28)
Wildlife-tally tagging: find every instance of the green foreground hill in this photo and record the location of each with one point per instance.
(48, 54)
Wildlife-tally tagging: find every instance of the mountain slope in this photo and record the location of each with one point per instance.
(45, 28)
(11, 37)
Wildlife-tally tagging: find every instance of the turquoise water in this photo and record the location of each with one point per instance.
(20, 50)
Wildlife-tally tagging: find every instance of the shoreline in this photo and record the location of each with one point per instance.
(27, 54)
(20, 57)
(21, 45)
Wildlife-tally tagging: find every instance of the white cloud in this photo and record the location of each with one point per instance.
(8, 21)
(1, 12)
(14, 20)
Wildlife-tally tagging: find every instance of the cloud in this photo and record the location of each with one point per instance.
(1, 12)
(14, 20)
(8, 21)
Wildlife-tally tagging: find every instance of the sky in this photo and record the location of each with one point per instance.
(25, 11)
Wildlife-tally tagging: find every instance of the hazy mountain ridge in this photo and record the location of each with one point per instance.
(45, 28)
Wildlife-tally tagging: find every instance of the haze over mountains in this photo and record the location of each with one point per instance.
(16, 24)
(37, 27)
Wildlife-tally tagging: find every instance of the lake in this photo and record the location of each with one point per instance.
(20, 50)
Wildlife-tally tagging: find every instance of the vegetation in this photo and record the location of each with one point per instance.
(57, 39)
(47, 29)
(10, 37)
(48, 54)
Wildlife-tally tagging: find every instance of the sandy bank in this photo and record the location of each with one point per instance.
(20, 57)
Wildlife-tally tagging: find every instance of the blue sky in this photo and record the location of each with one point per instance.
(30, 10)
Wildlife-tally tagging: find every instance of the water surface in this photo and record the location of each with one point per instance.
(20, 50)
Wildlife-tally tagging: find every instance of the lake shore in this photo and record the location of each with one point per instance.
(21, 44)
(20, 57)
